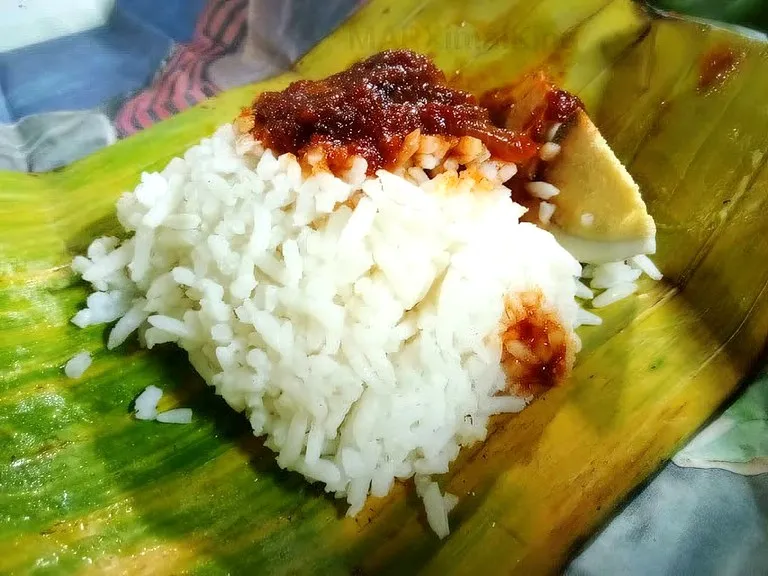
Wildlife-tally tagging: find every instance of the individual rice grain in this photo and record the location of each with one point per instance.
(583, 292)
(77, 365)
(549, 151)
(553, 130)
(647, 266)
(450, 501)
(541, 190)
(612, 274)
(614, 294)
(175, 416)
(586, 318)
(546, 211)
(435, 506)
(128, 324)
(146, 403)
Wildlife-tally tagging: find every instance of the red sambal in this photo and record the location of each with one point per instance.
(537, 351)
(369, 109)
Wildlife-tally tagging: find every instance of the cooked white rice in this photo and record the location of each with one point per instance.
(614, 294)
(145, 406)
(615, 280)
(542, 190)
(546, 211)
(436, 505)
(77, 365)
(647, 266)
(357, 323)
(175, 416)
(549, 151)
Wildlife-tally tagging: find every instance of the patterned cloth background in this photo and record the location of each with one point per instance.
(705, 513)
(65, 98)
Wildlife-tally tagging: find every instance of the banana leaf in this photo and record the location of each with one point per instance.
(84, 488)
(751, 13)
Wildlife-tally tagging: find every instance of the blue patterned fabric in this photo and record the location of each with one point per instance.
(89, 69)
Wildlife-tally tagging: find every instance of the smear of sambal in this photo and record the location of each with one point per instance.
(531, 105)
(537, 351)
(716, 67)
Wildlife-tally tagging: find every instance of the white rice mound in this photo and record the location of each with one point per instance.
(356, 323)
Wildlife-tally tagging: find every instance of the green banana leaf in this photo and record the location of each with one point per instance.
(86, 489)
(750, 13)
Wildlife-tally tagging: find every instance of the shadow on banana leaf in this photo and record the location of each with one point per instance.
(78, 241)
(210, 486)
